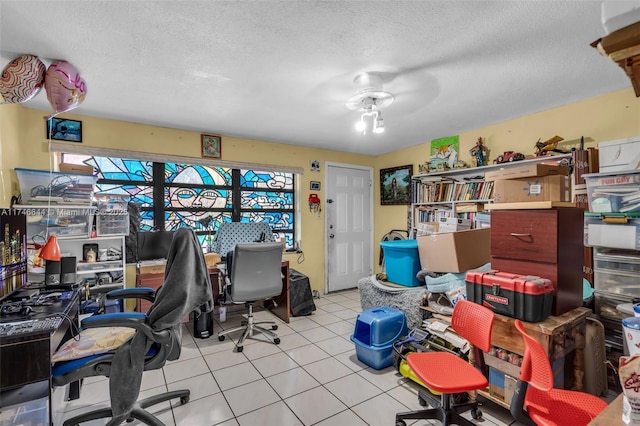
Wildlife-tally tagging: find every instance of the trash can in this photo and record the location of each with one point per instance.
(203, 323)
(300, 296)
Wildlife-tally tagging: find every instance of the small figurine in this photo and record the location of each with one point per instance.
(478, 152)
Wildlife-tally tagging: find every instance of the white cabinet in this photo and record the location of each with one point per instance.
(110, 258)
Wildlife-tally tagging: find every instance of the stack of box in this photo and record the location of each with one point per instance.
(530, 182)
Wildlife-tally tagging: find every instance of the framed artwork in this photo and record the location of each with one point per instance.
(444, 153)
(395, 185)
(211, 146)
(62, 129)
(314, 185)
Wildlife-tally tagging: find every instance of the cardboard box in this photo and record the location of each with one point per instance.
(75, 168)
(453, 224)
(526, 171)
(455, 251)
(546, 188)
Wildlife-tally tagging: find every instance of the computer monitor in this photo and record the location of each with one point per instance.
(154, 245)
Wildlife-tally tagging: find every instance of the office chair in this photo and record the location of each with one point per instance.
(545, 405)
(254, 274)
(449, 374)
(231, 233)
(157, 337)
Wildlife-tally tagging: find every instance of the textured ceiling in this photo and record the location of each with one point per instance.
(282, 71)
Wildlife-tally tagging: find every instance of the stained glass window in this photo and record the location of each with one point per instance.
(198, 196)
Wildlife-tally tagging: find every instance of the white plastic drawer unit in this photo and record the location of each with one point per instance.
(606, 306)
(627, 261)
(613, 230)
(617, 272)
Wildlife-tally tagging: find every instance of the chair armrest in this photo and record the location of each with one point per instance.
(119, 319)
(146, 293)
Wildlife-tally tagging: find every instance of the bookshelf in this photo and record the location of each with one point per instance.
(460, 193)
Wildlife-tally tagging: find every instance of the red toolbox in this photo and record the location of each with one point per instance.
(525, 297)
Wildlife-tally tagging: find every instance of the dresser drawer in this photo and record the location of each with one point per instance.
(525, 235)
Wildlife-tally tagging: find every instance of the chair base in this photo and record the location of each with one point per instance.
(250, 328)
(138, 412)
(445, 412)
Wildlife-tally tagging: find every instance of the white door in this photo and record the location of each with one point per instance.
(349, 225)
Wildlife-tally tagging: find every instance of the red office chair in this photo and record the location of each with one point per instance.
(449, 374)
(546, 406)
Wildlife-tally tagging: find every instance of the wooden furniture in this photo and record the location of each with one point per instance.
(560, 336)
(611, 416)
(151, 274)
(25, 370)
(547, 243)
(623, 48)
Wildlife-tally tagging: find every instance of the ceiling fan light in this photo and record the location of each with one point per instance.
(378, 125)
(360, 126)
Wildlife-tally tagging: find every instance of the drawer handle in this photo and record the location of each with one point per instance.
(515, 234)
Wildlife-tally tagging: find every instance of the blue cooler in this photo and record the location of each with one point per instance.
(402, 261)
(376, 330)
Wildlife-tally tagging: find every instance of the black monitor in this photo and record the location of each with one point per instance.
(154, 245)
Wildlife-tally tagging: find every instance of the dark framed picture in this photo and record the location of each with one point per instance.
(62, 129)
(395, 185)
(211, 146)
(314, 185)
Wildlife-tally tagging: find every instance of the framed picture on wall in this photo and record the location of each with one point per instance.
(211, 146)
(395, 185)
(62, 129)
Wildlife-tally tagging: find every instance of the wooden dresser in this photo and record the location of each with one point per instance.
(547, 243)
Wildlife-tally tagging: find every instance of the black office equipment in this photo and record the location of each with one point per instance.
(154, 245)
(68, 270)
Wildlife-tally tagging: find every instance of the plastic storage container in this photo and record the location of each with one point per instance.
(614, 230)
(376, 330)
(402, 262)
(62, 221)
(41, 186)
(614, 191)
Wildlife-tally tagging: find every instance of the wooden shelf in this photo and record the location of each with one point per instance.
(529, 205)
(465, 174)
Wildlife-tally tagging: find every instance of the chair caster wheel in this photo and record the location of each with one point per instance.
(400, 423)
(476, 413)
(239, 349)
(422, 402)
(276, 340)
(221, 338)
(184, 400)
(274, 327)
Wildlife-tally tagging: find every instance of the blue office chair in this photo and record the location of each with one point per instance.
(157, 336)
(253, 274)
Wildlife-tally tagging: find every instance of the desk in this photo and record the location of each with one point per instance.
(279, 305)
(25, 361)
(151, 274)
(610, 416)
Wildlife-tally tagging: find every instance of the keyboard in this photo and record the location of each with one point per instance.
(30, 326)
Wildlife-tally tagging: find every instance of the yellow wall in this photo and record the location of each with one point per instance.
(607, 117)
(28, 147)
(612, 116)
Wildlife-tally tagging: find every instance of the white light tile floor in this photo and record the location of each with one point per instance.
(312, 377)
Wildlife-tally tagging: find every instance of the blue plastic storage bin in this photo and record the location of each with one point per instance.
(376, 330)
(402, 261)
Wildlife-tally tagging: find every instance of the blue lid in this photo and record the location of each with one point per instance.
(400, 244)
(636, 308)
(632, 322)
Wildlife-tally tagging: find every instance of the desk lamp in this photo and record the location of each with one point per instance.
(51, 253)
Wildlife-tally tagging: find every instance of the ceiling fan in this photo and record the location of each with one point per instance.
(370, 99)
